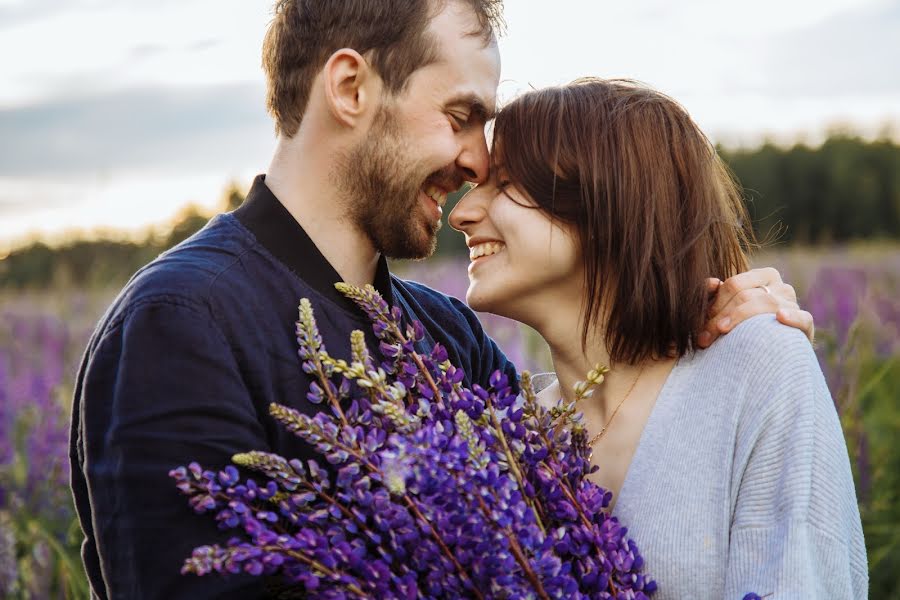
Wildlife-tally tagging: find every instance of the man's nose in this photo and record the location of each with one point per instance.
(474, 159)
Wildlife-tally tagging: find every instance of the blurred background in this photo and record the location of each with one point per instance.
(125, 125)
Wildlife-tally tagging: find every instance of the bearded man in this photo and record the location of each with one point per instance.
(380, 111)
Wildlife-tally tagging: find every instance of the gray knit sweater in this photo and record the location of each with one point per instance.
(741, 481)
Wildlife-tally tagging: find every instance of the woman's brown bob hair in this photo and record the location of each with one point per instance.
(655, 210)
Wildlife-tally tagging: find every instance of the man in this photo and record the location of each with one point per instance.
(380, 110)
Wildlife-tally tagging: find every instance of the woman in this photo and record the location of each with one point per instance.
(606, 210)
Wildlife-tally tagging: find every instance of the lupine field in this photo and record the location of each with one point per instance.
(854, 296)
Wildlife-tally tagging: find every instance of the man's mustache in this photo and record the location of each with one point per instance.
(449, 178)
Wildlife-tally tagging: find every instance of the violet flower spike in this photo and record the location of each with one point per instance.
(430, 487)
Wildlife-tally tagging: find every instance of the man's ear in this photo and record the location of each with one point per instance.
(351, 86)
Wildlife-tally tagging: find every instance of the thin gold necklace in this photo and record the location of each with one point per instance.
(618, 406)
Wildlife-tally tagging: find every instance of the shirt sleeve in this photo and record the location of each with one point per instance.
(796, 530)
(490, 357)
(161, 389)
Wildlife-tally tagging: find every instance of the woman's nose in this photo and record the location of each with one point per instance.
(470, 209)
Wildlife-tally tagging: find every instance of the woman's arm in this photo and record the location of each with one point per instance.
(796, 530)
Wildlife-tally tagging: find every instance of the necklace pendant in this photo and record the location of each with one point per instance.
(597, 437)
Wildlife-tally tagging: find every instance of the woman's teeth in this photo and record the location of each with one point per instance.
(485, 249)
(436, 194)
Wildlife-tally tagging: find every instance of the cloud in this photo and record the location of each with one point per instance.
(851, 54)
(221, 126)
(203, 45)
(26, 11)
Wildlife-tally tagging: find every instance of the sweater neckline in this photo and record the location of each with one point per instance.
(641, 468)
(655, 427)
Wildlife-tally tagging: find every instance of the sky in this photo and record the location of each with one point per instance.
(114, 114)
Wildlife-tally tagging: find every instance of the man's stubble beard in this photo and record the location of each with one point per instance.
(380, 182)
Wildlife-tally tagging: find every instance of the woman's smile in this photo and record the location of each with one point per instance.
(484, 249)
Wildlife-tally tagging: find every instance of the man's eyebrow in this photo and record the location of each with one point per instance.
(476, 106)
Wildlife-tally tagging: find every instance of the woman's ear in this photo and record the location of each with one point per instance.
(350, 86)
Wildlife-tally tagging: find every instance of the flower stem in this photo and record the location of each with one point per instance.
(513, 463)
(440, 542)
(586, 522)
(517, 553)
(327, 389)
(352, 587)
(415, 510)
(421, 365)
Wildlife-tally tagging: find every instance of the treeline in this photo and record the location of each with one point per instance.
(99, 263)
(846, 189)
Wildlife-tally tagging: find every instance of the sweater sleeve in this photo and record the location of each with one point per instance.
(161, 388)
(796, 530)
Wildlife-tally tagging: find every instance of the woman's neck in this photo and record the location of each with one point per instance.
(562, 331)
(561, 324)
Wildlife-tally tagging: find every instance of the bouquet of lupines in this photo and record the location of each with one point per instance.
(435, 490)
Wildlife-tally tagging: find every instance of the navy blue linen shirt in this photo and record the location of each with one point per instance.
(183, 367)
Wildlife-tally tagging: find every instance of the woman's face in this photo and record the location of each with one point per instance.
(521, 261)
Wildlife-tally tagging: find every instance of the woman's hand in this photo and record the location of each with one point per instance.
(752, 293)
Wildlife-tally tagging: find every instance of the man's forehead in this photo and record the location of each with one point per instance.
(470, 65)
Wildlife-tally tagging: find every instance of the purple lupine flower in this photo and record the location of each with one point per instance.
(427, 489)
(33, 418)
(9, 564)
(834, 298)
(42, 338)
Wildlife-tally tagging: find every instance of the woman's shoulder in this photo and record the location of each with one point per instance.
(760, 368)
(760, 344)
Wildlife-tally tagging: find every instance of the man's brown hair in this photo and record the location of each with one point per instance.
(655, 209)
(391, 34)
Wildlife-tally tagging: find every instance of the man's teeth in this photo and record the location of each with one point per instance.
(436, 194)
(485, 249)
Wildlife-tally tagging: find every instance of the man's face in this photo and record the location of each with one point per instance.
(426, 141)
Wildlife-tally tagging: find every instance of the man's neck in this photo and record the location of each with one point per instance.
(299, 178)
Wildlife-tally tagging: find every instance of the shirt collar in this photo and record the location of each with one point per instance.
(280, 233)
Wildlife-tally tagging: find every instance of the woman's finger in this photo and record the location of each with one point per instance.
(800, 319)
(748, 280)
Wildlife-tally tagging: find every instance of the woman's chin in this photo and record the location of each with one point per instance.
(474, 302)
(480, 301)
(477, 300)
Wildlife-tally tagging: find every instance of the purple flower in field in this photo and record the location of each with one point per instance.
(9, 566)
(834, 299)
(857, 313)
(886, 312)
(33, 417)
(42, 337)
